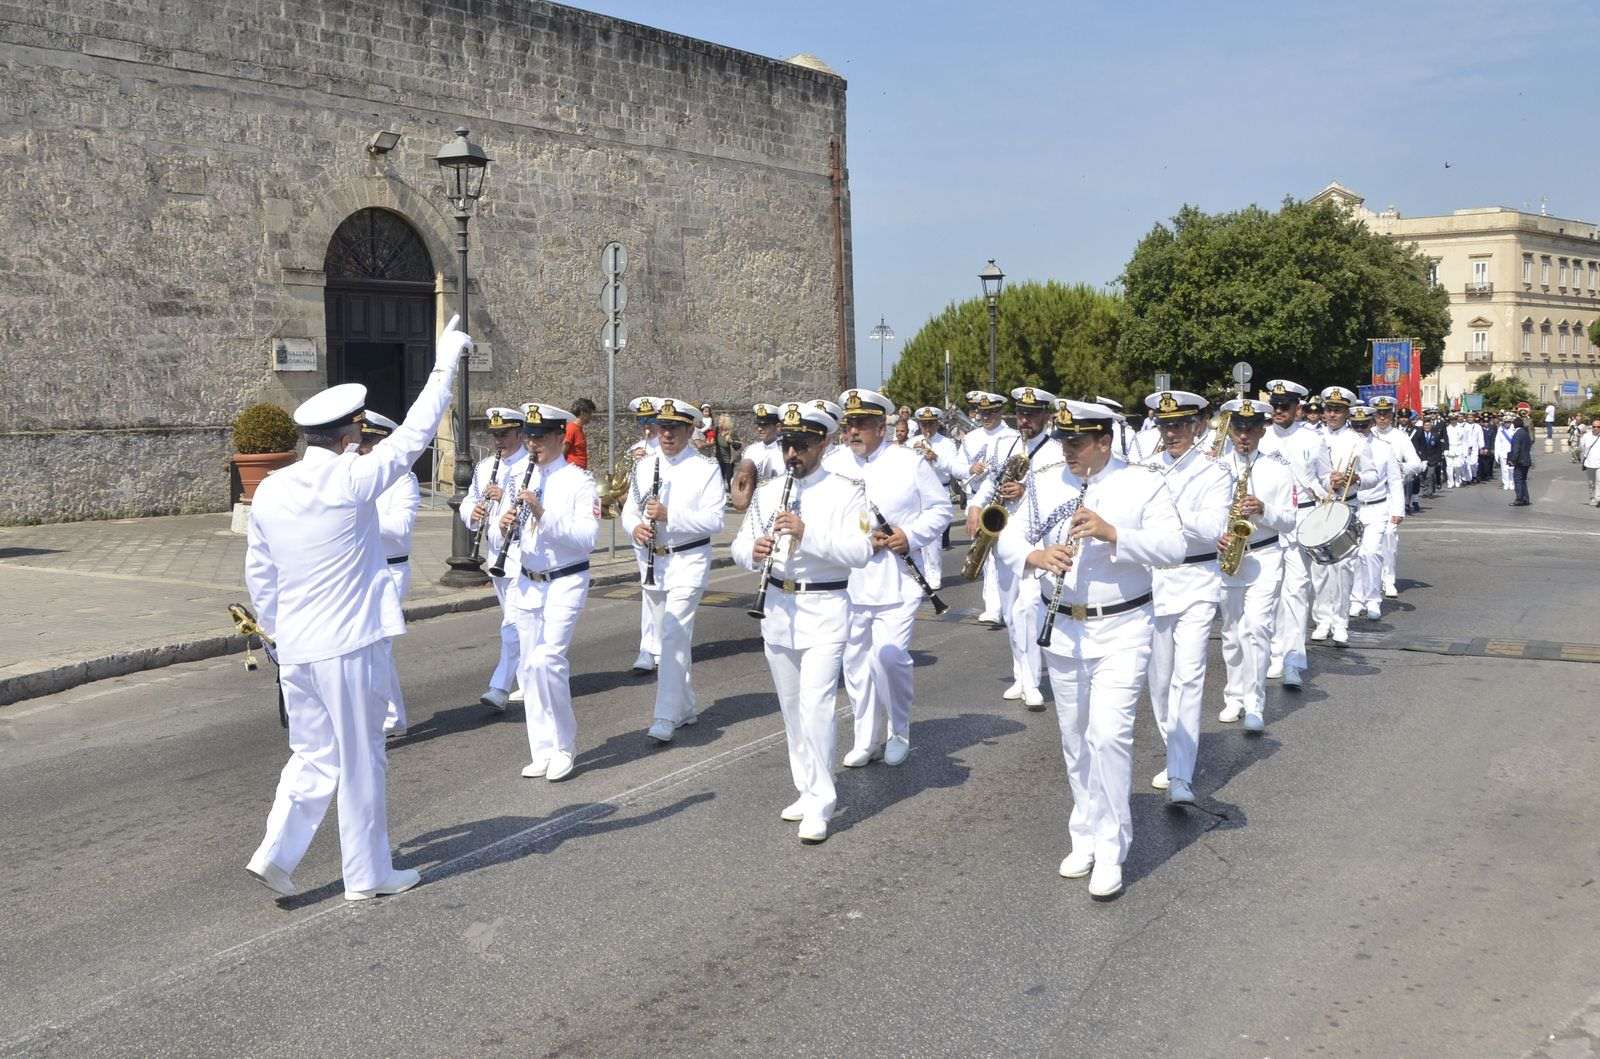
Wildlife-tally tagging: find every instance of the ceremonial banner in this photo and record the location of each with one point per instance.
(1395, 364)
(1367, 393)
(1472, 402)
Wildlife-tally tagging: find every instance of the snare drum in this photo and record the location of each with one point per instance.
(1330, 532)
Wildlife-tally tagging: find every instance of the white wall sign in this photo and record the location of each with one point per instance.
(293, 354)
(481, 358)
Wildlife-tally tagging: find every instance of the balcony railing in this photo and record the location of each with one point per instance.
(1479, 356)
(1480, 288)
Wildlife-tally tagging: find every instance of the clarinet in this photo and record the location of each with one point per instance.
(655, 494)
(1055, 598)
(939, 605)
(477, 538)
(759, 611)
(499, 567)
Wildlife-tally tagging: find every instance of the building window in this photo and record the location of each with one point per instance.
(1480, 273)
(1544, 340)
(1544, 271)
(1561, 343)
(1563, 280)
(1480, 341)
(1433, 273)
(1527, 338)
(1527, 269)
(1592, 270)
(1542, 387)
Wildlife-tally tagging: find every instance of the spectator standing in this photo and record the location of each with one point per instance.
(1589, 447)
(1549, 422)
(575, 444)
(1521, 457)
(725, 444)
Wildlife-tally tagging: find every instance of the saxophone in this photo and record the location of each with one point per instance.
(993, 518)
(1239, 527)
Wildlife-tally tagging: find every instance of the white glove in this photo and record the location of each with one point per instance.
(452, 345)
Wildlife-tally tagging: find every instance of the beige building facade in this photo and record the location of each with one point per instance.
(1524, 288)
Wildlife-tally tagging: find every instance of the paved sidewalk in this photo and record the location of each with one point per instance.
(85, 601)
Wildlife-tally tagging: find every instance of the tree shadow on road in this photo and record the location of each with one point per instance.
(451, 721)
(714, 722)
(598, 682)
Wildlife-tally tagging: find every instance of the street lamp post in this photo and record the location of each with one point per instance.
(991, 277)
(883, 333)
(463, 166)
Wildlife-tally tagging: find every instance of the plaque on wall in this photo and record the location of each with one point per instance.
(293, 354)
(481, 358)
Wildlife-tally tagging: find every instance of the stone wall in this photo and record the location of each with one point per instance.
(174, 174)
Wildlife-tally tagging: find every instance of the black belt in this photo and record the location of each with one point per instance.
(1206, 558)
(658, 550)
(1384, 499)
(1308, 503)
(1264, 541)
(550, 575)
(808, 586)
(1084, 612)
(396, 560)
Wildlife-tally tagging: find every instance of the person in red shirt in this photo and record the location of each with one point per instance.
(575, 446)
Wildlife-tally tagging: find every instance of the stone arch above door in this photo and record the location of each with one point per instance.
(305, 238)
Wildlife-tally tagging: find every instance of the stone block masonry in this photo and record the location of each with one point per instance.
(175, 172)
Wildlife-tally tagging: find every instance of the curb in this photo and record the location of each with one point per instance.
(71, 674)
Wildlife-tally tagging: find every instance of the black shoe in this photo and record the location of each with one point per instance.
(1521, 503)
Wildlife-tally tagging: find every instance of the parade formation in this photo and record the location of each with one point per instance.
(1109, 553)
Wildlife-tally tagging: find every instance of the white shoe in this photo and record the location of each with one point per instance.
(1230, 712)
(813, 829)
(560, 766)
(794, 812)
(1374, 612)
(1076, 865)
(1181, 793)
(1320, 632)
(535, 768)
(1033, 699)
(689, 721)
(398, 883)
(1106, 880)
(1159, 780)
(1013, 692)
(1355, 609)
(515, 696)
(1275, 669)
(897, 750)
(661, 731)
(645, 663)
(1341, 637)
(272, 877)
(1254, 722)
(857, 758)
(1390, 591)
(990, 618)
(495, 699)
(1292, 677)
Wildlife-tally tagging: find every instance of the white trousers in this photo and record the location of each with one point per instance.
(933, 564)
(1455, 470)
(1022, 628)
(1506, 482)
(672, 614)
(996, 583)
(505, 670)
(1177, 680)
(335, 710)
(878, 671)
(1391, 551)
(545, 634)
(1096, 699)
(806, 680)
(1366, 587)
(1294, 607)
(1248, 614)
(394, 701)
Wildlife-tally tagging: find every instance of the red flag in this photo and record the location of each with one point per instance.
(1412, 396)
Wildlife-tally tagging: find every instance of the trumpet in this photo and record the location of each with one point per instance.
(993, 518)
(245, 624)
(614, 488)
(1220, 426)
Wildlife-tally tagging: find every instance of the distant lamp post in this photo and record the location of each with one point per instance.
(883, 333)
(991, 277)
(463, 167)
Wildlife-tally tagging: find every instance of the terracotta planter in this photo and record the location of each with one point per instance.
(254, 466)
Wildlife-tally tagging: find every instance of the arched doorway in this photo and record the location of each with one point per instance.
(379, 305)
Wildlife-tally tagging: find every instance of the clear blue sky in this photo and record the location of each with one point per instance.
(1052, 136)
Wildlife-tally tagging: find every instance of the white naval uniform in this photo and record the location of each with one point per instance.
(1097, 664)
(693, 492)
(397, 517)
(1305, 448)
(315, 573)
(1376, 506)
(884, 597)
(649, 633)
(1186, 599)
(947, 467)
(767, 458)
(805, 632)
(1502, 453)
(1022, 619)
(1455, 454)
(508, 478)
(1411, 466)
(1331, 582)
(1250, 595)
(988, 446)
(545, 612)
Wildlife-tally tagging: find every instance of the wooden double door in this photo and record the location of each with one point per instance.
(381, 335)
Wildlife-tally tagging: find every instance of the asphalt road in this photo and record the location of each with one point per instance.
(1404, 865)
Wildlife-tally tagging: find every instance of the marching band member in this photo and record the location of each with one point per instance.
(944, 456)
(673, 510)
(1381, 507)
(884, 595)
(760, 460)
(836, 413)
(397, 517)
(644, 414)
(1348, 468)
(818, 525)
(1122, 521)
(1123, 443)
(1250, 593)
(556, 518)
(314, 569)
(1314, 410)
(493, 481)
(1186, 595)
(1305, 449)
(1411, 470)
(980, 449)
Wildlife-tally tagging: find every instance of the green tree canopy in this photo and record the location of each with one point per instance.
(1058, 337)
(1501, 393)
(1296, 293)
